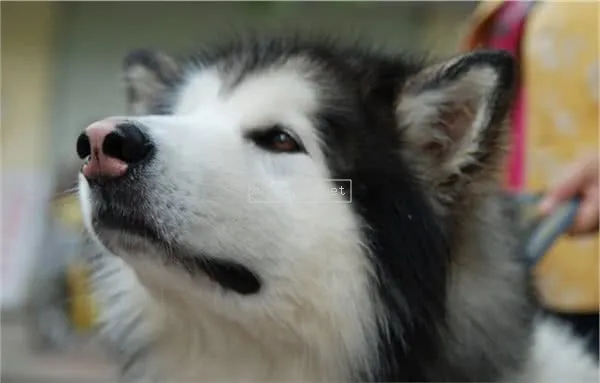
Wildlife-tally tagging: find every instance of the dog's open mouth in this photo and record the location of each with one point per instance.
(228, 274)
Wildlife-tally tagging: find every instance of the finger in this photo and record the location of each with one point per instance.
(588, 215)
(567, 188)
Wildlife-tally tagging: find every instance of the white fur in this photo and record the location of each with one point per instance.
(557, 356)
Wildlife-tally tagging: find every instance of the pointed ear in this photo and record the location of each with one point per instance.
(453, 115)
(148, 76)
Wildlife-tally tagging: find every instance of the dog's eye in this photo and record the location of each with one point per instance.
(282, 142)
(277, 140)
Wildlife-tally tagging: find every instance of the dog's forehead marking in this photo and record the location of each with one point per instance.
(201, 89)
(276, 94)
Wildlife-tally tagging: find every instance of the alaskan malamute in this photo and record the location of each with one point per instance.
(284, 210)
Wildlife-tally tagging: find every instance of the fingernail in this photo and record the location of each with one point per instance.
(546, 206)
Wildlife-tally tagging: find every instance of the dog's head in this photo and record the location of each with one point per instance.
(292, 180)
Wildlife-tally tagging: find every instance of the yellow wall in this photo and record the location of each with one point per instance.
(27, 55)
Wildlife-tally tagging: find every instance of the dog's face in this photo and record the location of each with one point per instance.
(238, 175)
(294, 177)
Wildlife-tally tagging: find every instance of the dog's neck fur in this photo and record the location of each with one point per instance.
(157, 326)
(487, 254)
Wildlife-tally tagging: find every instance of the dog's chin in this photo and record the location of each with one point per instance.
(135, 238)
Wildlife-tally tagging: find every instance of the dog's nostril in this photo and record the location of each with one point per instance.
(83, 146)
(127, 143)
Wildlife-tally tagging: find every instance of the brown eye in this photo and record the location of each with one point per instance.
(284, 143)
(277, 140)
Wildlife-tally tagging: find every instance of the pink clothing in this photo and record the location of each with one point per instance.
(506, 32)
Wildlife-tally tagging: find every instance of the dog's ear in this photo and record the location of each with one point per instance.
(148, 76)
(452, 115)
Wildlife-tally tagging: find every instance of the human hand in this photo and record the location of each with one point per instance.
(582, 181)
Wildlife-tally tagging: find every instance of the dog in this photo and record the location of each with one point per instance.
(288, 209)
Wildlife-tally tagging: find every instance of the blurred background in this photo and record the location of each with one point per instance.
(61, 69)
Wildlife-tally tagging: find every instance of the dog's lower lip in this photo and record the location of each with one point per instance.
(229, 275)
(128, 223)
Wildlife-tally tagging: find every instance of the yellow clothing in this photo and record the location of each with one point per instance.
(66, 209)
(82, 310)
(479, 24)
(560, 74)
(561, 71)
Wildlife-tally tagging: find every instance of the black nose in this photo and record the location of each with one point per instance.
(125, 141)
(128, 143)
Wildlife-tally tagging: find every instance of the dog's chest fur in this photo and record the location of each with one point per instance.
(178, 342)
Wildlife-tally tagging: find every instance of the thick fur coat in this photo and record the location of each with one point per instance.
(231, 252)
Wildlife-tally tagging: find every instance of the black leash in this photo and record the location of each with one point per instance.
(539, 233)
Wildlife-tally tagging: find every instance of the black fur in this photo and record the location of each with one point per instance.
(403, 232)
